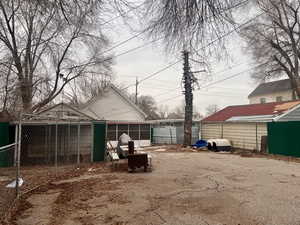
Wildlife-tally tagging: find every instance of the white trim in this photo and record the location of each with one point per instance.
(67, 106)
(286, 112)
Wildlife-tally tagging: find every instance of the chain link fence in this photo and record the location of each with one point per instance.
(41, 149)
(8, 174)
(56, 143)
(172, 134)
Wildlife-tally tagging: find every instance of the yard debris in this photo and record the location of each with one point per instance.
(4, 178)
(91, 169)
(13, 184)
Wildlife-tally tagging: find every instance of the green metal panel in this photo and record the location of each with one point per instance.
(5, 156)
(283, 138)
(99, 141)
(151, 135)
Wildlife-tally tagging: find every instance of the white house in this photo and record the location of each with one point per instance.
(113, 104)
(275, 91)
(116, 109)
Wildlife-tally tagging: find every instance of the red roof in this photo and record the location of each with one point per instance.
(273, 108)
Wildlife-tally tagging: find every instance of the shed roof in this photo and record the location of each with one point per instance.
(268, 109)
(271, 87)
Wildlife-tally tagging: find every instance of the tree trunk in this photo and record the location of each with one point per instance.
(295, 83)
(26, 96)
(188, 101)
(297, 88)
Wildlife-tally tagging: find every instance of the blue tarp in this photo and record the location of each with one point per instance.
(200, 144)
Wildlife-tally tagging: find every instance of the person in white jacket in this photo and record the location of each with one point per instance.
(123, 140)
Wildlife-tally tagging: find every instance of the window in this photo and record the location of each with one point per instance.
(134, 131)
(262, 100)
(122, 128)
(279, 99)
(111, 132)
(145, 132)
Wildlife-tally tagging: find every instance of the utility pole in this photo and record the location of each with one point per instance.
(188, 93)
(136, 90)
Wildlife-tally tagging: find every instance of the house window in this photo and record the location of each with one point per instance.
(134, 131)
(262, 100)
(145, 132)
(279, 99)
(111, 132)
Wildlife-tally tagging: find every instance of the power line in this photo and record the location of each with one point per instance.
(222, 71)
(210, 84)
(123, 42)
(120, 15)
(121, 54)
(209, 44)
(218, 81)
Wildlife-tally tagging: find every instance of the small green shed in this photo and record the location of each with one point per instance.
(284, 133)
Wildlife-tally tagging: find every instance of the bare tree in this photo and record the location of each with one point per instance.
(8, 93)
(190, 23)
(274, 41)
(211, 109)
(148, 105)
(48, 51)
(163, 111)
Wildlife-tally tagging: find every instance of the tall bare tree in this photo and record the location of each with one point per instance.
(211, 109)
(274, 41)
(189, 23)
(47, 50)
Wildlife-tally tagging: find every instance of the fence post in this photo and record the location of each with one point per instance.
(256, 136)
(69, 140)
(139, 135)
(78, 144)
(50, 144)
(46, 144)
(56, 133)
(16, 145)
(18, 155)
(117, 130)
(92, 142)
(222, 135)
(201, 130)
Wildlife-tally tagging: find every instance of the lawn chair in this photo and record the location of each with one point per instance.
(112, 154)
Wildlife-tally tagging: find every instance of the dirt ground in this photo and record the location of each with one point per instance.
(33, 176)
(183, 188)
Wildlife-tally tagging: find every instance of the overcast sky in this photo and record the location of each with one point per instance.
(165, 86)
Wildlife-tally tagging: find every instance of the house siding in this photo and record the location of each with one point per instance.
(286, 96)
(111, 106)
(241, 134)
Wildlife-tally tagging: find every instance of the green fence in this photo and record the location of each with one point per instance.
(99, 141)
(5, 155)
(283, 138)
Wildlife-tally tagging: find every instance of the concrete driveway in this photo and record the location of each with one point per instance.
(183, 188)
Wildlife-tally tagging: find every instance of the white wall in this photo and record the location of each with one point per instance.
(286, 96)
(242, 135)
(137, 143)
(112, 106)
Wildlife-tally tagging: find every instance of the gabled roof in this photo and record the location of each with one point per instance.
(271, 87)
(267, 109)
(121, 94)
(62, 107)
